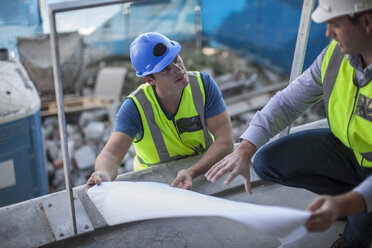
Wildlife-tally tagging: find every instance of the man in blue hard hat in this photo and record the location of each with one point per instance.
(336, 161)
(174, 115)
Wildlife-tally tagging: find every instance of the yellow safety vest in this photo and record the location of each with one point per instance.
(166, 140)
(348, 106)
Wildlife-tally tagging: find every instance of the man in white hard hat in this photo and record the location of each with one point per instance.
(175, 114)
(335, 161)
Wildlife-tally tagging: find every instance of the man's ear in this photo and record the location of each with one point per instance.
(367, 22)
(149, 80)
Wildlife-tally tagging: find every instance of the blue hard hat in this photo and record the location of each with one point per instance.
(152, 52)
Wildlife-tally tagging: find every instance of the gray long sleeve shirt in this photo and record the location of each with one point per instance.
(287, 105)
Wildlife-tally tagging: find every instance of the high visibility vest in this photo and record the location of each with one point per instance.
(348, 106)
(166, 140)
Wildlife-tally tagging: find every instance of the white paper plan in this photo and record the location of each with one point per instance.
(122, 202)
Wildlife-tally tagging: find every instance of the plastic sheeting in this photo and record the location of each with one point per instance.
(175, 19)
(122, 202)
(36, 56)
(18, 96)
(263, 30)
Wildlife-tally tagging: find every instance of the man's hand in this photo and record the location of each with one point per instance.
(324, 212)
(183, 180)
(96, 178)
(237, 163)
(327, 209)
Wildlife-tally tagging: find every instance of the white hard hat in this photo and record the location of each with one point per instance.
(329, 9)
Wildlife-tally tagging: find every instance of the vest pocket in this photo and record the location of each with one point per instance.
(366, 159)
(191, 124)
(367, 156)
(364, 108)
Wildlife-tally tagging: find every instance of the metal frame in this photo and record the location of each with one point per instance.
(53, 10)
(301, 44)
(297, 66)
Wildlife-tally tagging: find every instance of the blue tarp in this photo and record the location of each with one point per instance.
(19, 12)
(18, 18)
(263, 30)
(175, 19)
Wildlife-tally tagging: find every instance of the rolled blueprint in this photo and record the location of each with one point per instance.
(122, 202)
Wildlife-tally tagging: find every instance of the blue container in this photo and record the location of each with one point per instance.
(22, 168)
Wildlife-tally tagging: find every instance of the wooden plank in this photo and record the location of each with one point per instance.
(76, 104)
(251, 94)
(249, 105)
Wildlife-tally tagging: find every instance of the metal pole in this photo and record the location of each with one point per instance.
(53, 10)
(61, 115)
(301, 44)
(198, 25)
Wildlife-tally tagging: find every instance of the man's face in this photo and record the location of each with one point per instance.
(349, 36)
(172, 77)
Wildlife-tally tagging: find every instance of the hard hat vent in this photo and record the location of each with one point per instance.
(327, 8)
(359, 7)
(159, 49)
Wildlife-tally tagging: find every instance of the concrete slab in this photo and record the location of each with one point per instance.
(23, 225)
(173, 232)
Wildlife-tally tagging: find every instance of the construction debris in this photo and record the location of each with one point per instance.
(18, 97)
(36, 57)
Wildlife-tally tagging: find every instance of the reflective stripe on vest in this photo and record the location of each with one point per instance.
(357, 119)
(154, 129)
(331, 75)
(183, 125)
(198, 101)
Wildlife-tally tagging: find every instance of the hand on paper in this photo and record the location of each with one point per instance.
(96, 178)
(324, 212)
(183, 180)
(327, 209)
(237, 163)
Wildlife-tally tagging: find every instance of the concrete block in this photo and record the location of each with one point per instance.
(109, 83)
(85, 157)
(94, 131)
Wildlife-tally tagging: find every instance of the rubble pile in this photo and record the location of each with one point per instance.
(86, 138)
